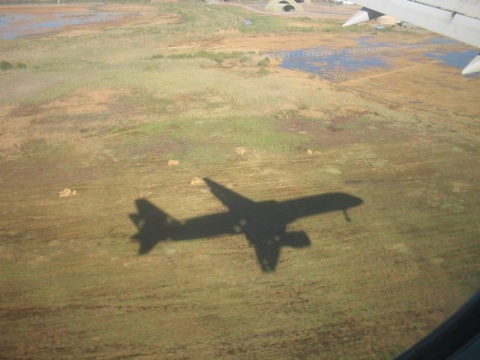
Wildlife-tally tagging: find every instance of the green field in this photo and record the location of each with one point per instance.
(102, 113)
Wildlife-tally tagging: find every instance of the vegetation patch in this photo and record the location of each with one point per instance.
(218, 57)
(5, 65)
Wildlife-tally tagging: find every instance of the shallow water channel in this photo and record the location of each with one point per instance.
(17, 25)
(336, 65)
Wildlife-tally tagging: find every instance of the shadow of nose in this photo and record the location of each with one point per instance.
(352, 201)
(357, 201)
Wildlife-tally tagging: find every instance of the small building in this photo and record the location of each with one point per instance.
(286, 5)
(387, 20)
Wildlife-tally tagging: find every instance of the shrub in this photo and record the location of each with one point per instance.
(20, 65)
(263, 71)
(264, 62)
(5, 65)
(217, 57)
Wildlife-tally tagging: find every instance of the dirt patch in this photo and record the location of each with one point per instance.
(285, 42)
(95, 101)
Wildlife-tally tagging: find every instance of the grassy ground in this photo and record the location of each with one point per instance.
(103, 112)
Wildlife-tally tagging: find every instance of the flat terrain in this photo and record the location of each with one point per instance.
(102, 109)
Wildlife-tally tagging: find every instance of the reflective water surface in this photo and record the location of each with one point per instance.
(13, 26)
(334, 65)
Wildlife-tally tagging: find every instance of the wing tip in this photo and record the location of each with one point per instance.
(473, 66)
(357, 18)
(363, 15)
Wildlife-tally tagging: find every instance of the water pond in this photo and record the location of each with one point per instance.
(13, 26)
(335, 65)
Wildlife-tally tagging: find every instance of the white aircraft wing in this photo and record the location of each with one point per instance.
(457, 19)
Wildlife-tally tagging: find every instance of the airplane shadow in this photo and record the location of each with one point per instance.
(263, 223)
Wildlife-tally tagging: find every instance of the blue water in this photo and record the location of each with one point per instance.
(443, 40)
(6, 20)
(328, 67)
(339, 61)
(369, 41)
(457, 59)
(335, 65)
(13, 26)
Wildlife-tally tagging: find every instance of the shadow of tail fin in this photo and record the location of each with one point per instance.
(153, 225)
(137, 220)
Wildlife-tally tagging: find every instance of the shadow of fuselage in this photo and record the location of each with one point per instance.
(263, 223)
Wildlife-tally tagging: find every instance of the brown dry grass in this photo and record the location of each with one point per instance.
(99, 115)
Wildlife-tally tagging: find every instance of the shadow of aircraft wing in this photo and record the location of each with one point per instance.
(236, 203)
